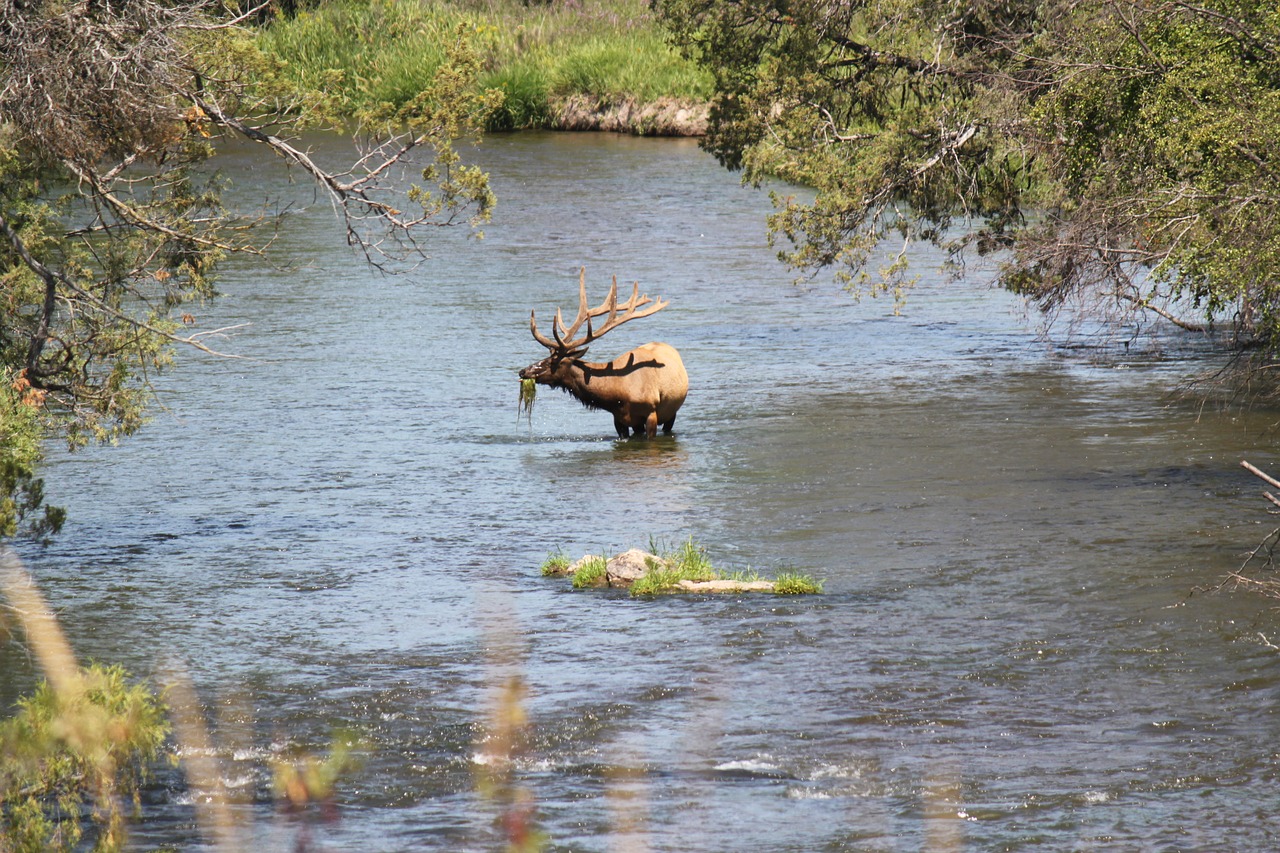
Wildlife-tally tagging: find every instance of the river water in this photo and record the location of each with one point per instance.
(342, 530)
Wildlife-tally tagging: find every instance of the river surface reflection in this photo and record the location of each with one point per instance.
(344, 530)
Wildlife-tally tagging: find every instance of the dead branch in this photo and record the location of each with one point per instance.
(1260, 474)
(131, 215)
(1265, 549)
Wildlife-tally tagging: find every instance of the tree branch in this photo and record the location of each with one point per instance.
(131, 215)
(35, 347)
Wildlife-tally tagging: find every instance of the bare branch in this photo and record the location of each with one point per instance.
(134, 217)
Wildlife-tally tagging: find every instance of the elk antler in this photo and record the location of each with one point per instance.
(566, 344)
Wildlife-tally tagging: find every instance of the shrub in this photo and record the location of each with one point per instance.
(91, 744)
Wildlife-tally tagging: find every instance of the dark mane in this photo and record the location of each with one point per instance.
(586, 398)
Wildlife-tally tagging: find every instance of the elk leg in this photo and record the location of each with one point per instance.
(666, 428)
(651, 425)
(620, 427)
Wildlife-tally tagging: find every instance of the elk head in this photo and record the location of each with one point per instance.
(641, 388)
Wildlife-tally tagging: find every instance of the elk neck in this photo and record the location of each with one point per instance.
(594, 384)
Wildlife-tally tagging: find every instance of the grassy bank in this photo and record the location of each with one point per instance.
(549, 60)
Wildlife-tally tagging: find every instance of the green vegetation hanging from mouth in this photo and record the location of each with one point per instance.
(528, 391)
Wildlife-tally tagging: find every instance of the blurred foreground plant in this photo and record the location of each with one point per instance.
(84, 740)
(503, 742)
(66, 751)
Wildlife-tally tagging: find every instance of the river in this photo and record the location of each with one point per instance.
(1015, 649)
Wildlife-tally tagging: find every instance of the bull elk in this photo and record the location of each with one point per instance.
(641, 389)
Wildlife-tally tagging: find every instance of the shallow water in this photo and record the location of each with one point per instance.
(343, 530)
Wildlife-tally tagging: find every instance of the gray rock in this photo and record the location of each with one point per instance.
(629, 566)
(578, 563)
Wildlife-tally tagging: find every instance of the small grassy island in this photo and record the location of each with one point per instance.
(686, 569)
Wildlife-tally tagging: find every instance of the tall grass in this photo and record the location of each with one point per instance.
(635, 64)
(524, 104)
(362, 54)
(367, 54)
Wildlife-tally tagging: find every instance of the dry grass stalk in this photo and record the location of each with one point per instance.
(200, 763)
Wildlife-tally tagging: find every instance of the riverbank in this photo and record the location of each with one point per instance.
(558, 66)
(663, 117)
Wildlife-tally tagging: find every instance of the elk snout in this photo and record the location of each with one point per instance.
(537, 370)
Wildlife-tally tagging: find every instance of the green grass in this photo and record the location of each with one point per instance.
(793, 583)
(371, 54)
(620, 65)
(555, 564)
(690, 560)
(362, 54)
(524, 103)
(590, 573)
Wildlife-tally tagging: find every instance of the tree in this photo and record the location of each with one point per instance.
(1120, 154)
(110, 221)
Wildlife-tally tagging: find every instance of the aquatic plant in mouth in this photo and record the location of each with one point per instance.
(528, 391)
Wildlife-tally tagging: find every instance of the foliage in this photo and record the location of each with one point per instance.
(1162, 159)
(76, 751)
(71, 748)
(304, 780)
(531, 52)
(504, 740)
(1117, 152)
(111, 225)
(22, 507)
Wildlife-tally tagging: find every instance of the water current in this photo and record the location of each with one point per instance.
(342, 530)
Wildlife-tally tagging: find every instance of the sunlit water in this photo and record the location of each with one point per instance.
(343, 530)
